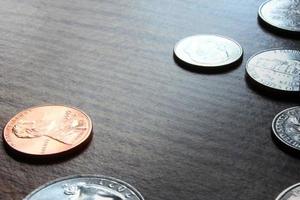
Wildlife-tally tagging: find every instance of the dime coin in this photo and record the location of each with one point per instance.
(86, 187)
(208, 51)
(47, 130)
(286, 127)
(291, 193)
(276, 69)
(282, 14)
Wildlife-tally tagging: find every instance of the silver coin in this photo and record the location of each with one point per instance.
(85, 187)
(291, 193)
(282, 14)
(286, 127)
(208, 50)
(276, 69)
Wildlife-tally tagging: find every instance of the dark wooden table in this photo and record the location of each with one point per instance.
(171, 133)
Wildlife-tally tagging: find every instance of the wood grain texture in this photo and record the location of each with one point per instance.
(171, 133)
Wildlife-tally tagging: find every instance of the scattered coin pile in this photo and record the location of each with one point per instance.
(53, 130)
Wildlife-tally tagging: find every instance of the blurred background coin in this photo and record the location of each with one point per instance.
(47, 130)
(281, 14)
(85, 187)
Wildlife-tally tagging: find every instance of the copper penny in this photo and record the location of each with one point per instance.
(47, 130)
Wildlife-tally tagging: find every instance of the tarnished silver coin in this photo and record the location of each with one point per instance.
(276, 69)
(282, 14)
(286, 127)
(85, 187)
(208, 51)
(291, 193)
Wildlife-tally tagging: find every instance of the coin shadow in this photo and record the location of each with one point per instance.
(207, 70)
(48, 159)
(277, 31)
(270, 93)
(286, 149)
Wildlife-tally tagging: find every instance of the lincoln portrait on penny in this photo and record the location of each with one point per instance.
(60, 128)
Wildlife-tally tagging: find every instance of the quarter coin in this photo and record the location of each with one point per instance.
(281, 14)
(286, 127)
(276, 69)
(86, 187)
(47, 130)
(209, 51)
(291, 193)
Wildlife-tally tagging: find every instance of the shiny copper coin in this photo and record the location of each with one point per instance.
(47, 130)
